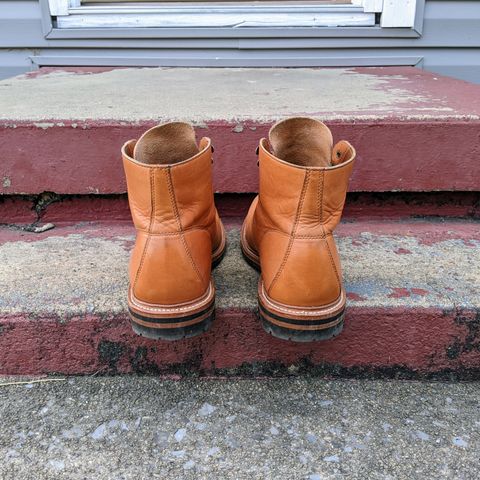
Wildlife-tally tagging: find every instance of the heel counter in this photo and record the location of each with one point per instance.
(170, 269)
(309, 275)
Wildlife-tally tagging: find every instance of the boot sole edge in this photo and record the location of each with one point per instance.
(301, 324)
(293, 334)
(151, 330)
(172, 322)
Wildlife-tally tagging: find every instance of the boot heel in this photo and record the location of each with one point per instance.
(300, 325)
(174, 333)
(172, 322)
(295, 335)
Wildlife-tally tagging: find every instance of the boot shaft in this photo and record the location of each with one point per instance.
(308, 195)
(170, 197)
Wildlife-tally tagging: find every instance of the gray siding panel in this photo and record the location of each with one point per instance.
(15, 62)
(21, 24)
(450, 45)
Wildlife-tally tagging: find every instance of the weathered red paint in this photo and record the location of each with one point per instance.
(399, 293)
(419, 291)
(462, 96)
(365, 206)
(79, 70)
(416, 339)
(407, 292)
(392, 156)
(355, 296)
(425, 232)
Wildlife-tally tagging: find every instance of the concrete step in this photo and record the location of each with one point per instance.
(138, 427)
(62, 129)
(413, 306)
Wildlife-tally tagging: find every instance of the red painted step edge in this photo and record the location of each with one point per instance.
(432, 341)
(114, 208)
(393, 155)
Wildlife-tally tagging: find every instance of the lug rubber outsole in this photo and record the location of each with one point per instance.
(301, 336)
(296, 335)
(176, 333)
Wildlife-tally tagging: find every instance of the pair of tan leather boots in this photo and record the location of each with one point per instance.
(287, 233)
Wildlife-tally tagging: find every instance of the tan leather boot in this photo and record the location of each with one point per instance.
(288, 230)
(179, 233)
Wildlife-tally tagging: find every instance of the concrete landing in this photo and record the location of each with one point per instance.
(298, 429)
(234, 94)
(63, 129)
(412, 288)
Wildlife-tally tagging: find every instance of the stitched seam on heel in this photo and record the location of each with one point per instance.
(325, 234)
(173, 200)
(294, 229)
(150, 225)
(321, 187)
(331, 259)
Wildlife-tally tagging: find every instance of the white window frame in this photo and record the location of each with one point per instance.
(171, 15)
(70, 14)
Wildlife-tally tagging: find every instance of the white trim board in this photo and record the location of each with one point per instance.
(398, 13)
(216, 15)
(370, 6)
(70, 14)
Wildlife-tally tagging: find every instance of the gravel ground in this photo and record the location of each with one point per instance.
(144, 427)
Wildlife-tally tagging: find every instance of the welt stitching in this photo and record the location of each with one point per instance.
(173, 200)
(294, 229)
(172, 234)
(299, 310)
(150, 225)
(313, 237)
(302, 237)
(173, 309)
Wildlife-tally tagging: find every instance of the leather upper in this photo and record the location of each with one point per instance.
(290, 223)
(177, 226)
